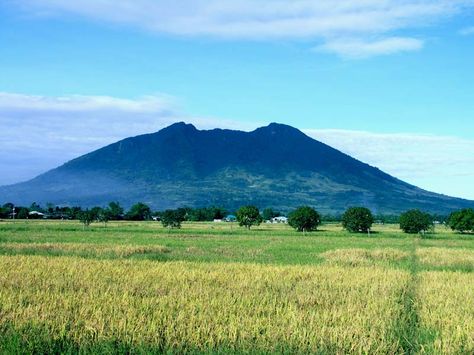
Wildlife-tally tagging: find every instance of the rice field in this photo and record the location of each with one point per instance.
(216, 288)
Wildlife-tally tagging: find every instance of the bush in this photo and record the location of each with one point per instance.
(357, 219)
(248, 216)
(462, 221)
(416, 221)
(172, 218)
(304, 219)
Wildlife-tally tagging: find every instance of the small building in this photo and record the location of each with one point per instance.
(230, 218)
(36, 215)
(280, 219)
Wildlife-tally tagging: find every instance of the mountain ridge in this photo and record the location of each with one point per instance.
(273, 166)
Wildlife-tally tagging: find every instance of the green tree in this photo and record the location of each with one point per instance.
(172, 218)
(357, 219)
(416, 221)
(115, 210)
(304, 219)
(86, 217)
(248, 216)
(462, 221)
(139, 212)
(22, 213)
(269, 213)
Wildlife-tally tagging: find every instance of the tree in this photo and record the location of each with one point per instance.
(104, 216)
(86, 217)
(357, 219)
(115, 210)
(462, 221)
(248, 216)
(304, 219)
(269, 213)
(172, 218)
(416, 221)
(139, 212)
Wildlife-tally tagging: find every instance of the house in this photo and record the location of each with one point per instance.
(280, 219)
(36, 215)
(230, 218)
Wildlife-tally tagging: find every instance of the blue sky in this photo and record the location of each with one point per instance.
(389, 82)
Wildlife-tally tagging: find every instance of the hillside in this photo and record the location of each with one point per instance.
(275, 166)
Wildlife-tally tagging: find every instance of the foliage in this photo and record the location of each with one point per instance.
(462, 221)
(304, 219)
(357, 219)
(248, 216)
(416, 221)
(86, 217)
(269, 213)
(115, 211)
(139, 212)
(172, 218)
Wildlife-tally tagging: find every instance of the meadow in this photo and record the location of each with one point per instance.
(136, 287)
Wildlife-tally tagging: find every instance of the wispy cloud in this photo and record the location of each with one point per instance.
(359, 49)
(39, 133)
(328, 22)
(438, 163)
(467, 31)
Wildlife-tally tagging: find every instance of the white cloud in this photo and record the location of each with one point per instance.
(39, 133)
(326, 21)
(358, 49)
(467, 31)
(437, 163)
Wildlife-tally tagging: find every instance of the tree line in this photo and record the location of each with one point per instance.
(303, 219)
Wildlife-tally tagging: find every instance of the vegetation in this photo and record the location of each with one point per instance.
(357, 219)
(139, 212)
(304, 219)
(87, 217)
(248, 216)
(462, 221)
(172, 218)
(416, 221)
(223, 290)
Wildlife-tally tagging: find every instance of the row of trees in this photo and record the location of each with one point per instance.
(303, 219)
(361, 219)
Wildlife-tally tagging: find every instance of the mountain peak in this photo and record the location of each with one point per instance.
(181, 126)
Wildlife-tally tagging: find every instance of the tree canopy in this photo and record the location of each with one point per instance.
(462, 221)
(248, 216)
(357, 219)
(416, 221)
(304, 219)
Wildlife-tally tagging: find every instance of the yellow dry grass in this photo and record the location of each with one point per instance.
(446, 257)
(93, 250)
(183, 306)
(363, 257)
(446, 311)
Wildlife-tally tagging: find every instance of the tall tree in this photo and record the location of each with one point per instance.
(248, 216)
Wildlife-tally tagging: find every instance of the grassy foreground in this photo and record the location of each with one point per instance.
(216, 288)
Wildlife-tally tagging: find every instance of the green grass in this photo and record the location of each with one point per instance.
(217, 288)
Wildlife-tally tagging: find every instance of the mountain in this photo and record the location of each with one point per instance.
(275, 166)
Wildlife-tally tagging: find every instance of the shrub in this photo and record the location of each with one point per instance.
(248, 216)
(416, 221)
(172, 218)
(462, 221)
(304, 219)
(357, 219)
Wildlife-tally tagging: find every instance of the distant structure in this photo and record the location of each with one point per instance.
(280, 219)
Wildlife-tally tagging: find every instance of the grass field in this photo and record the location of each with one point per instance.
(217, 288)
